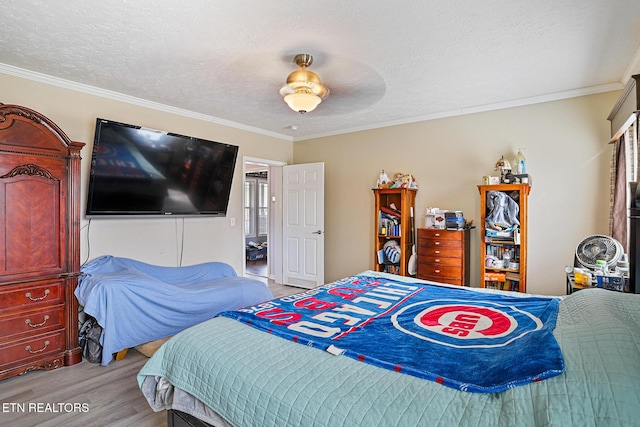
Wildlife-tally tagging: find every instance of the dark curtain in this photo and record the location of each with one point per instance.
(619, 210)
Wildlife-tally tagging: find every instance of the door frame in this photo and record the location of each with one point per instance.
(274, 233)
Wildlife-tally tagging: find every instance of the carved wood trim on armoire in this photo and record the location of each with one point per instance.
(39, 243)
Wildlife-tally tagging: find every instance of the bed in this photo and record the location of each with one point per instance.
(226, 371)
(135, 302)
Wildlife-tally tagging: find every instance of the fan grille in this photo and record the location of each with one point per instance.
(598, 247)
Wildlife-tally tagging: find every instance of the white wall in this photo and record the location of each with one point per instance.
(565, 143)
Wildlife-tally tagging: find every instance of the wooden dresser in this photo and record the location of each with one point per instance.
(39, 243)
(443, 256)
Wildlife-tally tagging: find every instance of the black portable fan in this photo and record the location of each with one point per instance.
(598, 247)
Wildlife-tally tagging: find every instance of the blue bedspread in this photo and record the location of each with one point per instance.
(465, 340)
(135, 302)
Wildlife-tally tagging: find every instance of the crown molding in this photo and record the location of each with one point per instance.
(592, 90)
(120, 97)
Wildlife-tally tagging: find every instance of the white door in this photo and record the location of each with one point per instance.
(303, 225)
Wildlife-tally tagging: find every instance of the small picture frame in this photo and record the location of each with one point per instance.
(494, 180)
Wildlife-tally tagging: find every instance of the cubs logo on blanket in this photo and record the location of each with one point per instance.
(472, 341)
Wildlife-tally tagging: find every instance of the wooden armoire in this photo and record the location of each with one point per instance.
(39, 243)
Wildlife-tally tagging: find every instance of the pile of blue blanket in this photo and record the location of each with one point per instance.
(136, 302)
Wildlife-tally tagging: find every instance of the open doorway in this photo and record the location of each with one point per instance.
(256, 218)
(266, 262)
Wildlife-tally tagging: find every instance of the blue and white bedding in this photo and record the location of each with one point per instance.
(136, 302)
(466, 340)
(252, 378)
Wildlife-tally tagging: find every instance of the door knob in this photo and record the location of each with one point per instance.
(317, 232)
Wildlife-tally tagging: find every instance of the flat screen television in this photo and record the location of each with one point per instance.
(140, 172)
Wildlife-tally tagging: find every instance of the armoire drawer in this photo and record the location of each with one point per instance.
(32, 322)
(31, 348)
(17, 297)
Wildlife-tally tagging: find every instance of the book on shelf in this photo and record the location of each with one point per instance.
(388, 226)
(500, 240)
(392, 268)
(513, 276)
(494, 277)
(511, 285)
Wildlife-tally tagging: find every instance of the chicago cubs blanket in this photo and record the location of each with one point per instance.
(471, 341)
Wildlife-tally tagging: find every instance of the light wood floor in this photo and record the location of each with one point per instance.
(110, 393)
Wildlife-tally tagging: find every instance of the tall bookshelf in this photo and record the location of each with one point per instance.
(394, 224)
(503, 254)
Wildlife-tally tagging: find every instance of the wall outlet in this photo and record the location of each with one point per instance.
(232, 221)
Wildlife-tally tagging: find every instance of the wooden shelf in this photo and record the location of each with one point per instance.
(520, 194)
(404, 201)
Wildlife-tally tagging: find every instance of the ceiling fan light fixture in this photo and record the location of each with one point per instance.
(304, 90)
(302, 101)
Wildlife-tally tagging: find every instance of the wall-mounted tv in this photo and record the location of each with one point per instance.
(140, 172)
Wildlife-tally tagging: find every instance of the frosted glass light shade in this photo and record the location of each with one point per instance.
(302, 102)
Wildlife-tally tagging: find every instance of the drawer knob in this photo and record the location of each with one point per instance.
(28, 348)
(437, 271)
(437, 260)
(437, 252)
(437, 234)
(437, 243)
(46, 292)
(36, 325)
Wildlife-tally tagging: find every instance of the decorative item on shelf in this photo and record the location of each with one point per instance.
(523, 178)
(520, 163)
(504, 167)
(383, 180)
(404, 180)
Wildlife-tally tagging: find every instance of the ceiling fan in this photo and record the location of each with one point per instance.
(304, 90)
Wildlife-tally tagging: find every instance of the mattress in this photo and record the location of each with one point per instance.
(251, 378)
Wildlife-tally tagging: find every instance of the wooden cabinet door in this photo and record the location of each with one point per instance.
(30, 223)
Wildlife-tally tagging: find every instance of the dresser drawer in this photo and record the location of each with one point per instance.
(31, 322)
(447, 280)
(426, 244)
(430, 233)
(31, 348)
(439, 260)
(439, 271)
(31, 294)
(440, 252)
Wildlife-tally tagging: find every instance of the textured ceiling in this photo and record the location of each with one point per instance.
(385, 62)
